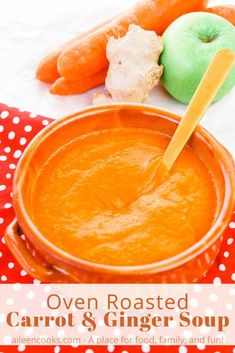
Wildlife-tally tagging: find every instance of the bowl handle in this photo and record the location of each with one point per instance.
(46, 273)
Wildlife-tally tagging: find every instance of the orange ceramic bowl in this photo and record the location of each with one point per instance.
(45, 261)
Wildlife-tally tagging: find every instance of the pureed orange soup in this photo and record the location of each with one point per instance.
(102, 198)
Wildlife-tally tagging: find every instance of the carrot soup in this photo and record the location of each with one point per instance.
(102, 198)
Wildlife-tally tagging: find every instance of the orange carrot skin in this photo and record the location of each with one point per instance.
(47, 68)
(88, 53)
(225, 11)
(64, 87)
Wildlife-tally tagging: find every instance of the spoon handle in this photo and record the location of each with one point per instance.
(212, 80)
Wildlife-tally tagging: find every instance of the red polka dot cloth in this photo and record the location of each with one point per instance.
(17, 128)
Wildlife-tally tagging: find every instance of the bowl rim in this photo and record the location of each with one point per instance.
(226, 164)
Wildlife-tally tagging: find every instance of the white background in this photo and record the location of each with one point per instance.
(29, 29)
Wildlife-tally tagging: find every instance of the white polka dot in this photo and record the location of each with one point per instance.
(7, 340)
(117, 332)
(201, 347)
(23, 273)
(36, 281)
(183, 349)
(145, 348)
(43, 336)
(230, 241)
(12, 166)
(221, 336)
(16, 286)
(11, 135)
(193, 303)
(11, 265)
(3, 240)
(45, 122)
(172, 323)
(28, 332)
(231, 291)
(110, 348)
(21, 348)
(47, 289)
(56, 349)
(2, 187)
(30, 295)
(209, 312)
(7, 149)
(16, 120)
(7, 205)
(60, 333)
(8, 175)
(229, 306)
(32, 115)
(222, 267)
(28, 128)
(197, 288)
(23, 141)
(3, 158)
(101, 323)
(17, 153)
(81, 329)
(217, 281)
(187, 334)
(10, 301)
(4, 114)
(1, 128)
(232, 225)
(213, 297)
(204, 329)
(23, 311)
(55, 312)
(0, 254)
(74, 344)
(2, 318)
(233, 276)
(1, 220)
(89, 351)
(226, 254)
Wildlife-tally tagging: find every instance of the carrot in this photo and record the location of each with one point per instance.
(87, 54)
(47, 68)
(64, 87)
(225, 11)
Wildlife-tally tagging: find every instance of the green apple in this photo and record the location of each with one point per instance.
(190, 43)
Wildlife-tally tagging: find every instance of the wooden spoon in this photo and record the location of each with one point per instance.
(212, 80)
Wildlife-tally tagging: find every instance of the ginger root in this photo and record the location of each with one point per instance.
(101, 98)
(133, 66)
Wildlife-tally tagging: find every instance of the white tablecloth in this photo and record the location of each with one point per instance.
(29, 29)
